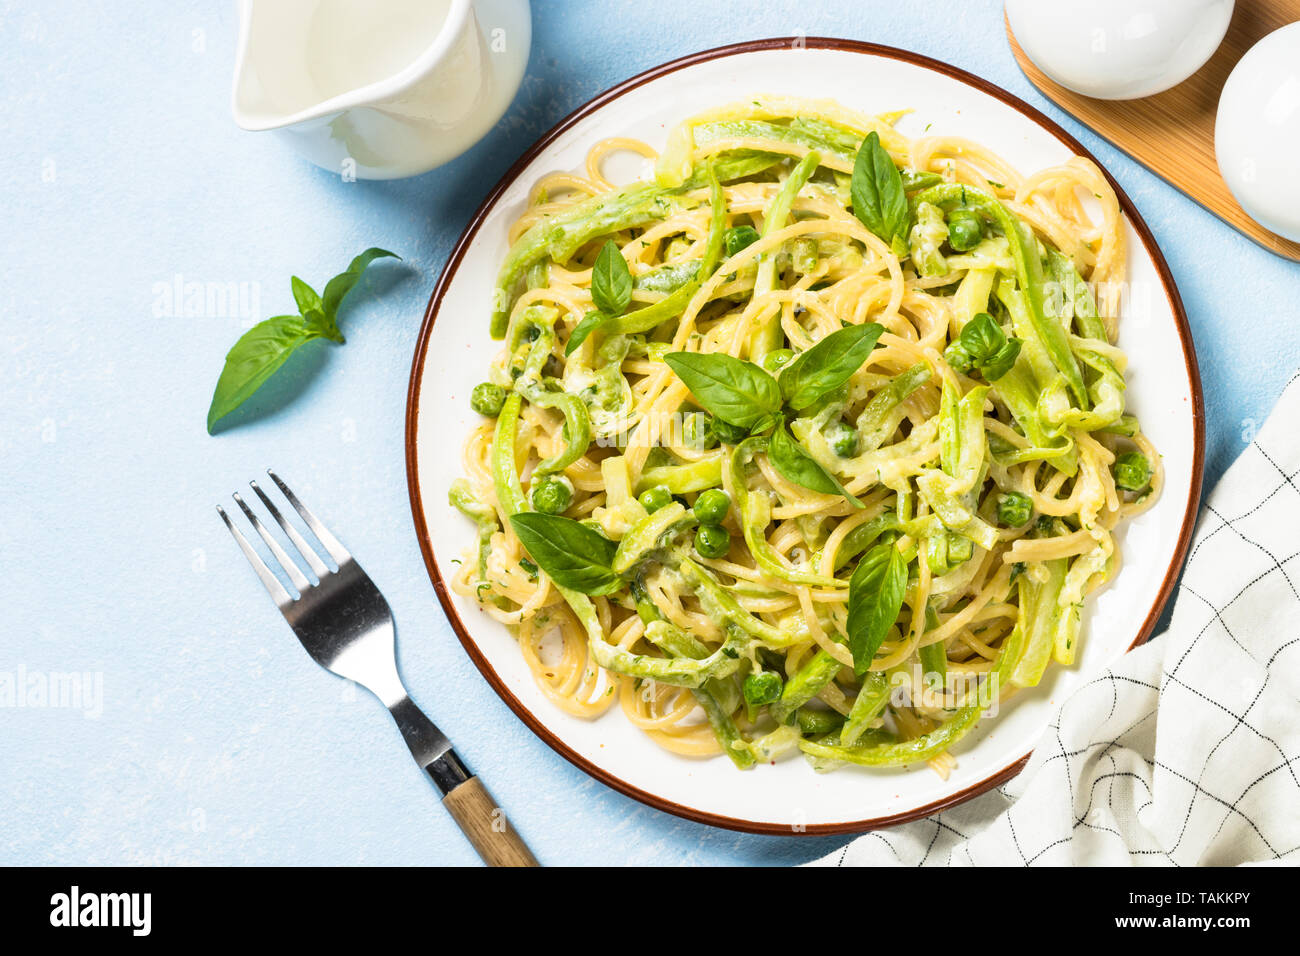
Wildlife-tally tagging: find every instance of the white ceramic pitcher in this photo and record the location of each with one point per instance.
(379, 89)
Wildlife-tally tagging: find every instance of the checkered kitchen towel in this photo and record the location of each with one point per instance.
(1187, 750)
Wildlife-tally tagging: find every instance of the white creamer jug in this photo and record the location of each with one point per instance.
(379, 89)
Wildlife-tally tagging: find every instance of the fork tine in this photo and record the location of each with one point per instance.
(290, 566)
(299, 542)
(269, 580)
(336, 550)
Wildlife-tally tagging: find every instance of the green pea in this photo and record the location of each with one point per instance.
(817, 722)
(652, 499)
(1014, 509)
(1132, 471)
(964, 230)
(762, 688)
(550, 496)
(712, 540)
(711, 506)
(487, 399)
(726, 432)
(777, 359)
(738, 237)
(843, 438)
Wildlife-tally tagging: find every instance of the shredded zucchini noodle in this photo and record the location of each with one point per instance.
(815, 441)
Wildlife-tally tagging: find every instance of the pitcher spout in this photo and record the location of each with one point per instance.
(377, 89)
(303, 60)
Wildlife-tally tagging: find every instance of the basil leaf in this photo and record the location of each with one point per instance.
(590, 323)
(828, 364)
(774, 420)
(611, 281)
(740, 393)
(305, 296)
(342, 283)
(876, 593)
(984, 346)
(795, 464)
(739, 237)
(573, 555)
(267, 346)
(257, 356)
(982, 337)
(1001, 362)
(876, 188)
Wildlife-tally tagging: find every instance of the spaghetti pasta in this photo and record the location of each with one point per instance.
(814, 441)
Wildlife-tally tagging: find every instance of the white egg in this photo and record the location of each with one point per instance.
(1119, 49)
(1257, 132)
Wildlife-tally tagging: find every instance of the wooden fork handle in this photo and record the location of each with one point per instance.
(486, 826)
(464, 796)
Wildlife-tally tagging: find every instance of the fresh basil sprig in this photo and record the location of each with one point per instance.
(305, 297)
(983, 347)
(740, 393)
(263, 349)
(828, 364)
(876, 593)
(573, 555)
(789, 458)
(879, 199)
(611, 292)
(745, 396)
(611, 280)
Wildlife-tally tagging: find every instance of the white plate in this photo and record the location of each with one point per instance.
(454, 352)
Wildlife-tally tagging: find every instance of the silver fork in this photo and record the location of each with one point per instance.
(346, 625)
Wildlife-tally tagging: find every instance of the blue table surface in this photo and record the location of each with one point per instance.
(216, 739)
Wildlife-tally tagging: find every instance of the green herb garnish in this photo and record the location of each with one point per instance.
(263, 349)
(879, 200)
(876, 593)
(572, 555)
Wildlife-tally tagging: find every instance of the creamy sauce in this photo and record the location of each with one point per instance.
(353, 43)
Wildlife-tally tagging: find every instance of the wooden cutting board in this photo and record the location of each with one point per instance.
(1172, 133)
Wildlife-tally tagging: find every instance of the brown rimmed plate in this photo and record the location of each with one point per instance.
(454, 351)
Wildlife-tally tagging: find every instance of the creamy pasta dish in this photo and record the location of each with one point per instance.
(814, 440)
